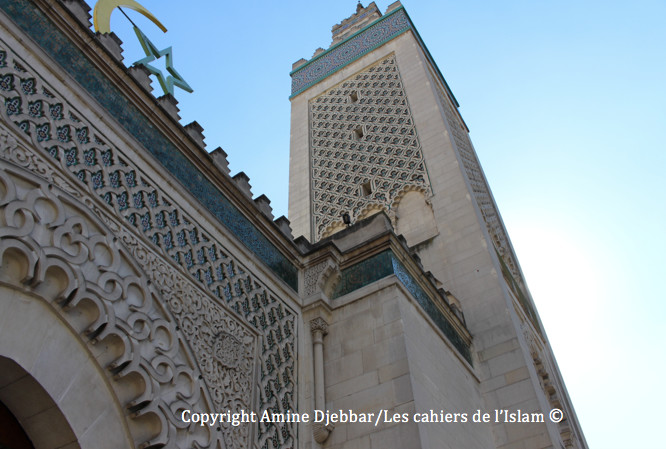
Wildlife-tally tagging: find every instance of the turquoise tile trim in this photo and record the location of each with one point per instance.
(433, 312)
(349, 50)
(363, 273)
(342, 54)
(33, 22)
(385, 264)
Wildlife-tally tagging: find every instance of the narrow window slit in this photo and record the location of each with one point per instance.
(366, 188)
(358, 133)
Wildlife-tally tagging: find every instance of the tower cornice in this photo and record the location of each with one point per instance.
(393, 24)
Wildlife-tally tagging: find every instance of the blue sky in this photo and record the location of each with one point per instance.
(566, 104)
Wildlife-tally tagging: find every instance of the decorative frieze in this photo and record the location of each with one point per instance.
(349, 50)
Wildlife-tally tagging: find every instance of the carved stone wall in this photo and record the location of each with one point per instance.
(552, 386)
(226, 315)
(52, 246)
(322, 277)
(479, 185)
(364, 147)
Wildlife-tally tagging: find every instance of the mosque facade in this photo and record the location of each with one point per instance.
(147, 300)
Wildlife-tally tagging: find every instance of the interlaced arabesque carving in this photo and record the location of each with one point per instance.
(77, 147)
(71, 260)
(225, 348)
(479, 186)
(321, 277)
(364, 146)
(312, 275)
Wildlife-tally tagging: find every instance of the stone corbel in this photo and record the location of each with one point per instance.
(329, 278)
(322, 278)
(319, 328)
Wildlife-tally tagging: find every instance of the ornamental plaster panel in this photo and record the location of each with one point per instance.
(364, 147)
(53, 247)
(202, 283)
(322, 277)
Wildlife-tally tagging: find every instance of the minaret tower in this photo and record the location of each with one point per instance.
(375, 128)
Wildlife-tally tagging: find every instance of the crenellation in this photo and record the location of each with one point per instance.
(142, 76)
(361, 18)
(170, 105)
(264, 205)
(393, 6)
(298, 63)
(282, 223)
(113, 44)
(220, 160)
(243, 182)
(195, 131)
(80, 10)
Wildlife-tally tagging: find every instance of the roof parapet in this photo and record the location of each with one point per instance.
(361, 18)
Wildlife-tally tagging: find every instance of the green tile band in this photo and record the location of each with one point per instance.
(385, 264)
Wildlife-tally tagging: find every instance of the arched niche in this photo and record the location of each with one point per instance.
(50, 382)
(414, 218)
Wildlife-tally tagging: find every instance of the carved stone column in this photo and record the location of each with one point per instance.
(319, 328)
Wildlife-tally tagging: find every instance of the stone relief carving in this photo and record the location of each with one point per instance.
(166, 241)
(322, 277)
(364, 146)
(225, 348)
(69, 258)
(318, 325)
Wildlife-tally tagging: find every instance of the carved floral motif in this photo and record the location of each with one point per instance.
(200, 282)
(322, 277)
(318, 325)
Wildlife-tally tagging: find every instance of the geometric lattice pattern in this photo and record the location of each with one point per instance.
(364, 146)
(52, 124)
(340, 55)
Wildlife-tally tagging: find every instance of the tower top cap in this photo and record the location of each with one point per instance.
(361, 18)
